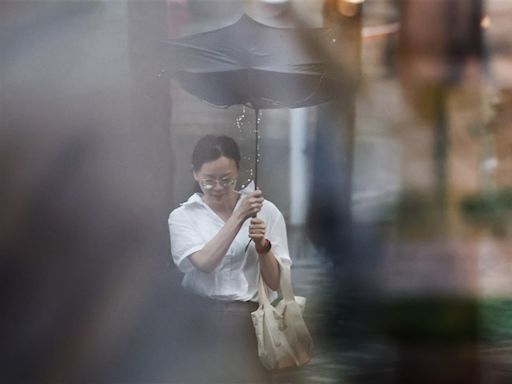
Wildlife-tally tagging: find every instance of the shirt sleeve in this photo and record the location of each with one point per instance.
(278, 237)
(185, 240)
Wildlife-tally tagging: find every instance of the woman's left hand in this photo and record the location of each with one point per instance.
(257, 231)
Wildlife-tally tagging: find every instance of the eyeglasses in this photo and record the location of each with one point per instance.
(208, 184)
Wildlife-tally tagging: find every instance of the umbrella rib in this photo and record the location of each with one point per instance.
(304, 100)
(210, 53)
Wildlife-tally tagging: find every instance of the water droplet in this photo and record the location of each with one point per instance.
(239, 120)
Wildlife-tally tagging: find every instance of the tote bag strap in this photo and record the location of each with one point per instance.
(285, 285)
(302, 332)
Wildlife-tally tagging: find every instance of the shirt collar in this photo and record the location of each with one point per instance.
(248, 189)
(196, 198)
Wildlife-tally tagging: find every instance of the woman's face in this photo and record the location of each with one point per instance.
(217, 178)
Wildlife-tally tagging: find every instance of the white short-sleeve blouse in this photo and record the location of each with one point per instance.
(193, 224)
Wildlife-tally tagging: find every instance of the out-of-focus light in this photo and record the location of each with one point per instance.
(270, 8)
(380, 31)
(348, 8)
(489, 164)
(486, 22)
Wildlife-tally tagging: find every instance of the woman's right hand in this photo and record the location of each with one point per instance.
(250, 205)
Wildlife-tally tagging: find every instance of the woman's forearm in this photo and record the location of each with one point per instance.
(208, 258)
(270, 270)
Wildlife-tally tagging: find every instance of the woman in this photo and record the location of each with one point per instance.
(209, 237)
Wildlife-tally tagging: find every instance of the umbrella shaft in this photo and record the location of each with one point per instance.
(257, 148)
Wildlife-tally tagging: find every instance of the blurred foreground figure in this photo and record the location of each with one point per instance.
(408, 293)
(354, 247)
(84, 288)
(434, 318)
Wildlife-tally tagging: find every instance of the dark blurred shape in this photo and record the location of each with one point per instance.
(354, 247)
(85, 294)
(490, 209)
(438, 40)
(329, 218)
(431, 331)
(436, 333)
(436, 338)
(344, 19)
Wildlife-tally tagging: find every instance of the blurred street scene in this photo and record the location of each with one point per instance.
(396, 188)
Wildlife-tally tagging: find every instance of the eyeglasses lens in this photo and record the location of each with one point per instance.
(210, 184)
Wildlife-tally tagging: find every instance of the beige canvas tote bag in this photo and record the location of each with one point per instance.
(283, 338)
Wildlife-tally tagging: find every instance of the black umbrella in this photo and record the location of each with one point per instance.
(252, 64)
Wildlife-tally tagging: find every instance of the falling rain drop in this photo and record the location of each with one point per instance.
(239, 121)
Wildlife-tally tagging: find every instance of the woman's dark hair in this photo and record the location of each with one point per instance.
(210, 148)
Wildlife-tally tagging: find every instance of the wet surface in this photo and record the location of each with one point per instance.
(346, 346)
(424, 339)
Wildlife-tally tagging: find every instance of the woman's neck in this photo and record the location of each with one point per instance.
(223, 207)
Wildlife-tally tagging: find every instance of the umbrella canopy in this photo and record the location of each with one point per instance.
(253, 64)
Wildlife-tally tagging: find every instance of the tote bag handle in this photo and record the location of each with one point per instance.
(285, 285)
